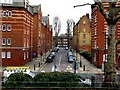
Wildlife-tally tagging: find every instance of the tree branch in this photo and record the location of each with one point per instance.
(83, 5)
(116, 19)
(101, 7)
(117, 41)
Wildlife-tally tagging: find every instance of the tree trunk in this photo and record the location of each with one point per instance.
(110, 73)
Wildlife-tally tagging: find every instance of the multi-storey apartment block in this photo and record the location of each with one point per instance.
(16, 31)
(42, 36)
(82, 34)
(100, 30)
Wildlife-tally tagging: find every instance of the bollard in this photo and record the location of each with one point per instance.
(33, 67)
(39, 64)
(92, 81)
(84, 68)
(80, 64)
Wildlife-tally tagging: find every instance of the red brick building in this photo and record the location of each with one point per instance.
(42, 36)
(16, 28)
(100, 30)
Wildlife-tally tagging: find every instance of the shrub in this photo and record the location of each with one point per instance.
(18, 80)
(56, 79)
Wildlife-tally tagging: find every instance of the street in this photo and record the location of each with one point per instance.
(61, 61)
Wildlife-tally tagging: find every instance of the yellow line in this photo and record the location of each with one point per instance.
(43, 66)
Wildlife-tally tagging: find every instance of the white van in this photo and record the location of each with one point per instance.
(9, 70)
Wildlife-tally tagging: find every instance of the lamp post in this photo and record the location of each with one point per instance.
(105, 51)
(80, 59)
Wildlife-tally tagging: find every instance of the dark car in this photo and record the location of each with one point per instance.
(71, 59)
(51, 55)
(49, 59)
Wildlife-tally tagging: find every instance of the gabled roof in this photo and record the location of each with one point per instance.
(17, 3)
(44, 20)
(50, 28)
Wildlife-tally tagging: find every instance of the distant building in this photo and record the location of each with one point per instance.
(63, 41)
(16, 28)
(42, 33)
(82, 34)
(100, 30)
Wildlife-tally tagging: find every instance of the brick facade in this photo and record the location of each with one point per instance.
(82, 34)
(42, 36)
(99, 33)
(17, 26)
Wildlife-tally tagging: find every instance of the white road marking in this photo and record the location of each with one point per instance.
(43, 71)
(60, 59)
(69, 68)
(52, 68)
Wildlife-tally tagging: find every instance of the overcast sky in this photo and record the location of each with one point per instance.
(63, 9)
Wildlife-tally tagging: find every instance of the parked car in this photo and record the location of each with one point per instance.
(56, 49)
(10, 70)
(66, 48)
(49, 59)
(71, 59)
(69, 54)
(53, 53)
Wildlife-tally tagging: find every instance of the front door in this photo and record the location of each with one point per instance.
(119, 61)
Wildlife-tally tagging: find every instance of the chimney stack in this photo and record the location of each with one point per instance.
(87, 15)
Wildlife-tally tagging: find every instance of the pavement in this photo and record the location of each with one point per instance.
(37, 63)
(88, 67)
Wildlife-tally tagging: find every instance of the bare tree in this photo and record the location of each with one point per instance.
(69, 27)
(111, 18)
(57, 27)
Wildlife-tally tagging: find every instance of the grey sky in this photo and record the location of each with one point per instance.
(63, 9)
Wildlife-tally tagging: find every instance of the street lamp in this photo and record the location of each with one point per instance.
(105, 51)
(80, 59)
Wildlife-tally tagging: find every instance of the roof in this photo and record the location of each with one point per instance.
(36, 8)
(50, 28)
(17, 3)
(44, 20)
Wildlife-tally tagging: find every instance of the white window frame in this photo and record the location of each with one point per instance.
(0, 13)
(0, 27)
(95, 44)
(104, 58)
(2, 41)
(84, 35)
(9, 14)
(24, 55)
(83, 42)
(84, 23)
(27, 42)
(25, 30)
(3, 54)
(94, 57)
(84, 29)
(95, 18)
(4, 14)
(84, 48)
(5, 27)
(8, 41)
(8, 54)
(95, 31)
(28, 31)
(24, 42)
(39, 33)
(9, 25)
(107, 30)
